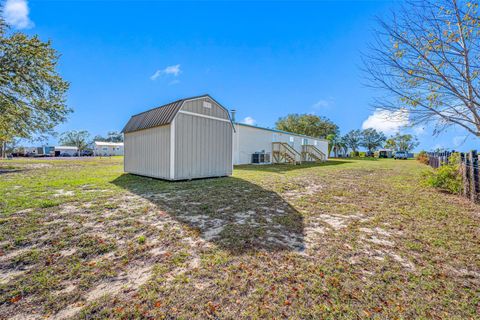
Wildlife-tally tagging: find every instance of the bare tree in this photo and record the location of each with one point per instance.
(426, 56)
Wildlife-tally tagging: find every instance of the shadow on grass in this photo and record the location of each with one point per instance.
(278, 168)
(232, 213)
(5, 171)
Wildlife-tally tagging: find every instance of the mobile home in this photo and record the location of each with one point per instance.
(253, 144)
(102, 148)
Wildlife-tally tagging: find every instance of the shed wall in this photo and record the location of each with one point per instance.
(196, 106)
(203, 147)
(147, 152)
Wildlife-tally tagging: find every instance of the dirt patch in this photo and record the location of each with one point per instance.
(8, 275)
(305, 188)
(338, 222)
(63, 193)
(383, 242)
(131, 279)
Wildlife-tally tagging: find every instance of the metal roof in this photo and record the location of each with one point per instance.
(279, 131)
(106, 143)
(153, 118)
(160, 116)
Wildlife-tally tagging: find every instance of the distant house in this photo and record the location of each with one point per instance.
(60, 150)
(104, 149)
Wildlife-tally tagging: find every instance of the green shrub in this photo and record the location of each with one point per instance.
(141, 239)
(353, 154)
(361, 154)
(447, 177)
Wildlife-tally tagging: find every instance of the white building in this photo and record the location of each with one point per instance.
(252, 144)
(60, 150)
(101, 148)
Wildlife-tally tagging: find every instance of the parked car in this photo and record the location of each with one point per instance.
(401, 155)
(86, 153)
(64, 154)
(369, 154)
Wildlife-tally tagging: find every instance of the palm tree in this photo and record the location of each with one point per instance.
(331, 139)
(336, 144)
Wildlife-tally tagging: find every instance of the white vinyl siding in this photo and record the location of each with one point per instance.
(248, 140)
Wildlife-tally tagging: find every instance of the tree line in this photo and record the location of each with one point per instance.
(322, 127)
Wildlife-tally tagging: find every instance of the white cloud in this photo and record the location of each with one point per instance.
(387, 121)
(249, 120)
(16, 13)
(175, 70)
(170, 70)
(323, 103)
(157, 74)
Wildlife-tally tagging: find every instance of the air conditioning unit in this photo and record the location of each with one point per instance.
(261, 157)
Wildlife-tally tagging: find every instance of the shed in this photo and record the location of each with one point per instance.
(185, 139)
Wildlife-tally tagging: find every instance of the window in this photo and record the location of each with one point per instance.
(207, 105)
(315, 142)
(104, 148)
(304, 141)
(292, 142)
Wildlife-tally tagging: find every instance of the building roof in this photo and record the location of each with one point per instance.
(66, 147)
(108, 144)
(279, 131)
(159, 116)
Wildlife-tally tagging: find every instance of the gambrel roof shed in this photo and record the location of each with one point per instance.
(186, 139)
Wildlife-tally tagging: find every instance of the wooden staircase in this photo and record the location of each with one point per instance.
(283, 153)
(312, 153)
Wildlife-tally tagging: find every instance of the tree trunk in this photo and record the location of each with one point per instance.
(3, 147)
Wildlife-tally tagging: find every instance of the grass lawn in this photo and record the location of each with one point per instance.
(346, 239)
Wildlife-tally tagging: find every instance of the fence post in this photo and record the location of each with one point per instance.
(464, 167)
(477, 177)
(473, 159)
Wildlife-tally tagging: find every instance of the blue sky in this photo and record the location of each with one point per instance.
(264, 59)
